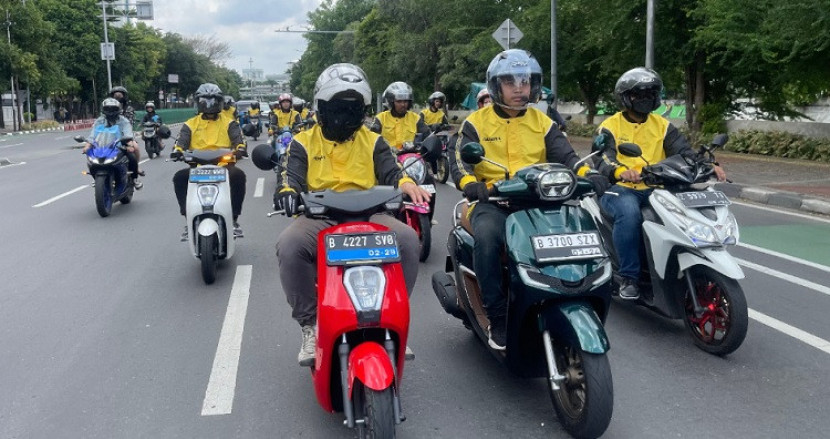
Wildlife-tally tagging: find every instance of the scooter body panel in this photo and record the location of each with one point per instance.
(369, 363)
(336, 315)
(205, 220)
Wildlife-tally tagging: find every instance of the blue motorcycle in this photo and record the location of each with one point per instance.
(108, 166)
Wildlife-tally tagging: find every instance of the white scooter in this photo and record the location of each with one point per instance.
(208, 208)
(686, 230)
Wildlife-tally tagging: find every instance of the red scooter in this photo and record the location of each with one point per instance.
(362, 308)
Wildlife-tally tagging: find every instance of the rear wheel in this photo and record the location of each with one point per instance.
(103, 195)
(376, 408)
(720, 327)
(208, 249)
(585, 399)
(442, 169)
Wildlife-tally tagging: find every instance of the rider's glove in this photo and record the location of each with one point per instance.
(176, 155)
(476, 190)
(600, 182)
(241, 152)
(288, 201)
(601, 141)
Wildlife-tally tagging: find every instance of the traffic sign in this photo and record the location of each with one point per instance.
(507, 34)
(107, 51)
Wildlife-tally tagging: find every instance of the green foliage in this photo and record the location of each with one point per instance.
(780, 144)
(40, 125)
(582, 129)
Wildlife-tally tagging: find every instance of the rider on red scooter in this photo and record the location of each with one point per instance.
(341, 154)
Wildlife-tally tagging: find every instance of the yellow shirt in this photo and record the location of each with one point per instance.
(397, 130)
(432, 117)
(649, 135)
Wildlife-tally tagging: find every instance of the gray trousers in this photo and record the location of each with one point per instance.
(297, 257)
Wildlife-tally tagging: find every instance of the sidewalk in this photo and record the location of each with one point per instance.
(792, 184)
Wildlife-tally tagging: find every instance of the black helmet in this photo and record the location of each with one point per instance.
(255, 104)
(119, 89)
(111, 107)
(437, 96)
(639, 90)
(397, 91)
(209, 98)
(164, 132)
(228, 102)
(514, 66)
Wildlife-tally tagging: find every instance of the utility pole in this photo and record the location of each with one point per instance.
(650, 34)
(15, 125)
(251, 72)
(107, 42)
(553, 75)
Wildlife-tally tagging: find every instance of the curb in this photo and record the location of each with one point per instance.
(787, 200)
(17, 133)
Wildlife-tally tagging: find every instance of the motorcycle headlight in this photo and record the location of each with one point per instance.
(207, 194)
(730, 231)
(556, 185)
(700, 234)
(415, 169)
(366, 286)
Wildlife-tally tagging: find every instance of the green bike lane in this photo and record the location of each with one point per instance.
(795, 235)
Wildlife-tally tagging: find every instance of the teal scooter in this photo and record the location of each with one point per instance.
(557, 276)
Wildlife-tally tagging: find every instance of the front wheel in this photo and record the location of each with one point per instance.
(103, 195)
(208, 249)
(378, 412)
(585, 399)
(424, 236)
(720, 327)
(442, 169)
(149, 147)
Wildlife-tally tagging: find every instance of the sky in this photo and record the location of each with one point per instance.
(248, 27)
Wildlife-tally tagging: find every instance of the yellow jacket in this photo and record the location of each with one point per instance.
(515, 142)
(656, 137)
(433, 117)
(397, 130)
(362, 162)
(199, 133)
(282, 119)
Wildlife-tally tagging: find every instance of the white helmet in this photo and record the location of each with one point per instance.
(343, 80)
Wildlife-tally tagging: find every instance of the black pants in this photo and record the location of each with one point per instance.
(132, 164)
(237, 182)
(488, 227)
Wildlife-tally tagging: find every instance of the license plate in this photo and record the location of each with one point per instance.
(210, 175)
(149, 132)
(567, 246)
(361, 248)
(703, 199)
(428, 187)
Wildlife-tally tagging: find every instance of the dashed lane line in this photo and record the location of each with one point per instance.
(784, 276)
(810, 339)
(222, 384)
(260, 187)
(56, 198)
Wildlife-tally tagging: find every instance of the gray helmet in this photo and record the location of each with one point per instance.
(228, 102)
(119, 89)
(436, 96)
(341, 81)
(150, 104)
(397, 91)
(643, 85)
(111, 107)
(514, 66)
(209, 98)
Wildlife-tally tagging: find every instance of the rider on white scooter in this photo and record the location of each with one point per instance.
(638, 93)
(211, 129)
(341, 154)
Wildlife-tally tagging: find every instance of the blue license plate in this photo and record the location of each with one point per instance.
(362, 248)
(209, 175)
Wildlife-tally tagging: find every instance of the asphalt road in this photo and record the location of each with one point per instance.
(107, 330)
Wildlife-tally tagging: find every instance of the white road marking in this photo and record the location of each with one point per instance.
(53, 199)
(792, 331)
(222, 383)
(784, 276)
(9, 146)
(787, 257)
(260, 187)
(785, 212)
(143, 161)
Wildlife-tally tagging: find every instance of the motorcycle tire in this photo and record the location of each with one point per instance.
(208, 248)
(585, 399)
(424, 236)
(103, 195)
(377, 410)
(442, 169)
(128, 196)
(722, 326)
(148, 146)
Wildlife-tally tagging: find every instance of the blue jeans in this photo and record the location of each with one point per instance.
(628, 220)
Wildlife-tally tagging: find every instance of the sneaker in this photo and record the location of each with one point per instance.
(306, 355)
(434, 222)
(408, 354)
(237, 231)
(629, 289)
(497, 333)
(185, 236)
(138, 185)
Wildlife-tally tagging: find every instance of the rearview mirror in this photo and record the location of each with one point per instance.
(264, 157)
(720, 140)
(630, 149)
(248, 130)
(455, 118)
(79, 139)
(431, 148)
(472, 153)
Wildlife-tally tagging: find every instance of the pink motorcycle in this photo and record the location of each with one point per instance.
(418, 215)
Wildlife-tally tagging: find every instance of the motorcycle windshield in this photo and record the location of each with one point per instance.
(105, 140)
